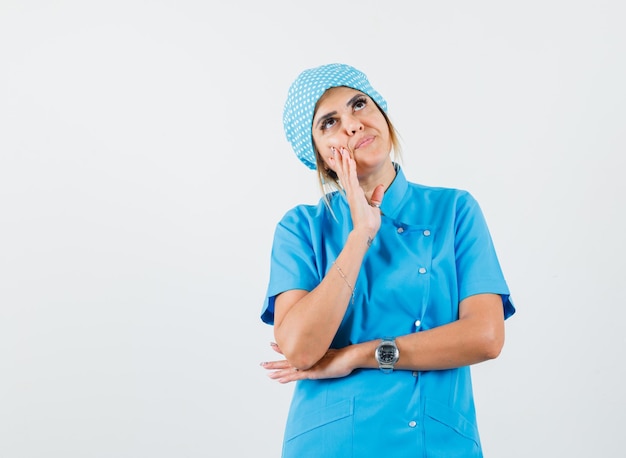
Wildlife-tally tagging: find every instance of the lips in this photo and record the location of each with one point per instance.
(364, 141)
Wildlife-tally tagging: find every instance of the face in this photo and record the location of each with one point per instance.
(348, 118)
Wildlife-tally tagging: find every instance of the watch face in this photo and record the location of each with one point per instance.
(387, 354)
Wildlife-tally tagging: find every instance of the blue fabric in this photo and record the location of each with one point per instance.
(433, 250)
(304, 93)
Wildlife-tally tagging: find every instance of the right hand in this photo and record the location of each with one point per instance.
(334, 364)
(365, 216)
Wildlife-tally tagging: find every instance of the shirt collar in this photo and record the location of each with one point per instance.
(394, 193)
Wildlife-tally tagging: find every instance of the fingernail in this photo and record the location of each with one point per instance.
(273, 344)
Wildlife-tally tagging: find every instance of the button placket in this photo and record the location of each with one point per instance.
(426, 233)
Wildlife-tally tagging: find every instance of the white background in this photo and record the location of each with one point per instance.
(143, 167)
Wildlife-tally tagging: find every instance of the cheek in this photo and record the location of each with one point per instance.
(323, 148)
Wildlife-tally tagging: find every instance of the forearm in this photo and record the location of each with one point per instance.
(305, 329)
(477, 336)
(452, 345)
(435, 349)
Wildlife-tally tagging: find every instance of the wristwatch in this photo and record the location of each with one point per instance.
(387, 354)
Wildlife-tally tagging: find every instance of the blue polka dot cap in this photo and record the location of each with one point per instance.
(304, 93)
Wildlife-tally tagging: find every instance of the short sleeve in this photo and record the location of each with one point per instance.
(478, 268)
(292, 259)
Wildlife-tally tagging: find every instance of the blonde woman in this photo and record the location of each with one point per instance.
(383, 294)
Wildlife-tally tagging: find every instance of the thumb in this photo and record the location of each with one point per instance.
(378, 194)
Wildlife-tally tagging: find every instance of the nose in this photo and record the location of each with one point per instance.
(352, 124)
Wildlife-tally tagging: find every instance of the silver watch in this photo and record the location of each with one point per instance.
(387, 354)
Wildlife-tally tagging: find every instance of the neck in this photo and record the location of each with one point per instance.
(384, 175)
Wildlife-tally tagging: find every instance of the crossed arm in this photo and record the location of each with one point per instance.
(478, 335)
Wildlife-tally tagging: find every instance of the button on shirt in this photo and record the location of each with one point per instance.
(433, 250)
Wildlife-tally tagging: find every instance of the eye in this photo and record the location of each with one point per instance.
(327, 123)
(359, 104)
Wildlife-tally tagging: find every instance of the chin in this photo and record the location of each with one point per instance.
(371, 161)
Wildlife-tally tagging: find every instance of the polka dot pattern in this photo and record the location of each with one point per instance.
(304, 93)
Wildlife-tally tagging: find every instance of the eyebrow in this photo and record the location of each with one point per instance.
(333, 113)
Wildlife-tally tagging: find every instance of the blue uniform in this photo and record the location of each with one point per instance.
(433, 250)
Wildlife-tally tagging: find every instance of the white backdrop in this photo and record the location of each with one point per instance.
(143, 167)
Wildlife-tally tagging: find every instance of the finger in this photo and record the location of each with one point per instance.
(275, 347)
(336, 163)
(286, 376)
(377, 195)
(349, 167)
(344, 156)
(276, 365)
(342, 168)
(332, 159)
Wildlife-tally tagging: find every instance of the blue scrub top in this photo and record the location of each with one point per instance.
(433, 250)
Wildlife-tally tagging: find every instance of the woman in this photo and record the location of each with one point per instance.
(383, 294)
